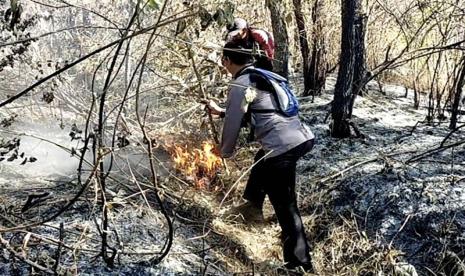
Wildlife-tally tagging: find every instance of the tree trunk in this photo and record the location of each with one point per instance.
(304, 48)
(281, 62)
(314, 65)
(432, 95)
(416, 95)
(458, 87)
(318, 68)
(341, 108)
(360, 68)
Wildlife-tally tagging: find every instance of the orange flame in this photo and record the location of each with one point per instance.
(198, 164)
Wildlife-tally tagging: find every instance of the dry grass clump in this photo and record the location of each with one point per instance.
(260, 242)
(346, 250)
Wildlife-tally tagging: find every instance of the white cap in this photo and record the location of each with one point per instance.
(238, 23)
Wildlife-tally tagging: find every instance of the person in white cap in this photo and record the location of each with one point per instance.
(258, 40)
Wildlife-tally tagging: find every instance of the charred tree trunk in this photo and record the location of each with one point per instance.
(281, 62)
(416, 95)
(318, 68)
(458, 87)
(360, 68)
(432, 95)
(380, 85)
(341, 108)
(304, 48)
(314, 64)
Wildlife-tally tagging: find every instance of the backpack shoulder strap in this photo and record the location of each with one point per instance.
(267, 78)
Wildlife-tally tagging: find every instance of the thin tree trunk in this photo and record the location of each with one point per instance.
(314, 64)
(457, 95)
(416, 95)
(380, 85)
(344, 84)
(318, 67)
(433, 88)
(281, 62)
(304, 48)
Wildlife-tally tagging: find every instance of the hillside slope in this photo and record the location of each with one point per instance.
(390, 201)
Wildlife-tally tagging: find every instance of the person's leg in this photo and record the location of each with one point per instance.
(254, 190)
(255, 187)
(251, 211)
(281, 191)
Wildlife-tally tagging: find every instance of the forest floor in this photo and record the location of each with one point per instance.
(391, 202)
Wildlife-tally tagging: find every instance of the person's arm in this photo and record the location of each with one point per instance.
(235, 111)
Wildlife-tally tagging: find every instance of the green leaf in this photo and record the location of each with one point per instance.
(154, 4)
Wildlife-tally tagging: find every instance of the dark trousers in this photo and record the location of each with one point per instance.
(275, 177)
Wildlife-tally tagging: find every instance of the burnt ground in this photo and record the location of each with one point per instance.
(371, 205)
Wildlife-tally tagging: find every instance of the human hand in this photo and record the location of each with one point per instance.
(213, 107)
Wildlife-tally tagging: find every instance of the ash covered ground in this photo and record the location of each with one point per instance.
(390, 202)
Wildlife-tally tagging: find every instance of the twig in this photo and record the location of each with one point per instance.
(142, 192)
(400, 230)
(169, 241)
(180, 114)
(199, 237)
(74, 154)
(433, 151)
(57, 242)
(60, 244)
(7, 219)
(55, 32)
(109, 259)
(7, 246)
(74, 63)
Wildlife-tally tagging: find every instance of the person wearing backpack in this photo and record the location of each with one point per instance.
(259, 40)
(284, 139)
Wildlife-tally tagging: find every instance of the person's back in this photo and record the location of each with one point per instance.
(274, 131)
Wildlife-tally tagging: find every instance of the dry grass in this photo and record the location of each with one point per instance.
(347, 250)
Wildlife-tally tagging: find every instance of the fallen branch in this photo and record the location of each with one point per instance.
(7, 246)
(450, 134)
(341, 172)
(435, 150)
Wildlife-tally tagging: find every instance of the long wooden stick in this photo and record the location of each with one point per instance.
(203, 95)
